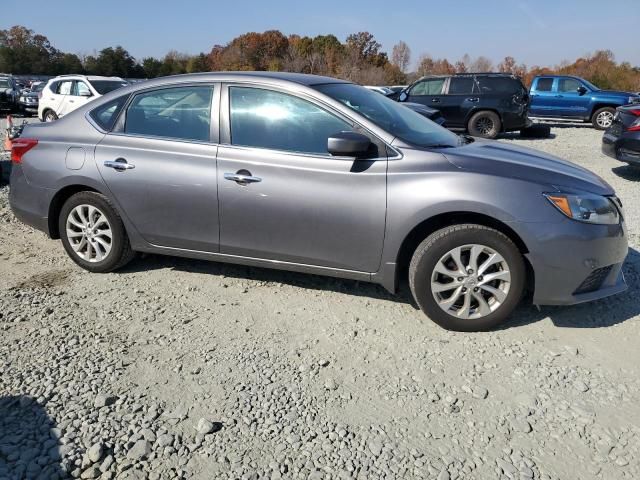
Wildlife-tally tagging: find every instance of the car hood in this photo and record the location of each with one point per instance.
(496, 158)
(615, 92)
(30, 94)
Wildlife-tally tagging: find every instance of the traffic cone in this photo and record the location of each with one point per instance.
(7, 141)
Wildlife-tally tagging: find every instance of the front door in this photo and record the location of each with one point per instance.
(283, 197)
(427, 92)
(160, 166)
(572, 103)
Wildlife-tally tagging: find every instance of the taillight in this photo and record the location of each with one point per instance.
(635, 126)
(20, 146)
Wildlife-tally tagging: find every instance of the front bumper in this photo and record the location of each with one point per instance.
(29, 106)
(624, 148)
(575, 262)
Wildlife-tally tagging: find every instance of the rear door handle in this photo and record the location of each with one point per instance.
(119, 164)
(242, 178)
(473, 99)
(435, 100)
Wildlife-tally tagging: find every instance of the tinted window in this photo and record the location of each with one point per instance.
(268, 119)
(428, 87)
(106, 86)
(391, 116)
(544, 84)
(105, 115)
(4, 83)
(64, 88)
(82, 89)
(460, 85)
(506, 85)
(568, 85)
(180, 112)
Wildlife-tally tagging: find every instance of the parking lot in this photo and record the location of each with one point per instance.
(176, 368)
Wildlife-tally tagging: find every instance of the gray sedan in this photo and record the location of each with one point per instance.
(318, 175)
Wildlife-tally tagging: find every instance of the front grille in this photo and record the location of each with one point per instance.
(594, 281)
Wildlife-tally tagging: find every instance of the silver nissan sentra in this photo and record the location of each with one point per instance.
(318, 175)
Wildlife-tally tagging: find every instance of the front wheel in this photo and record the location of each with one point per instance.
(93, 234)
(467, 277)
(603, 118)
(484, 124)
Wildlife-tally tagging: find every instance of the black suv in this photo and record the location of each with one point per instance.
(483, 104)
(9, 92)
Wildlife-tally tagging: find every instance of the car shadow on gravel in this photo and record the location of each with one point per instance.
(628, 172)
(597, 314)
(258, 274)
(29, 440)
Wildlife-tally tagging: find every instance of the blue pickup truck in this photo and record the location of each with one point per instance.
(573, 98)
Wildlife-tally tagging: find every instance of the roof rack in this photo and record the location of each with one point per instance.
(72, 75)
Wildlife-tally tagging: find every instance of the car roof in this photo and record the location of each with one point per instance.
(299, 78)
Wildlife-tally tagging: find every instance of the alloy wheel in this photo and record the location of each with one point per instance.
(89, 233)
(604, 119)
(471, 281)
(484, 125)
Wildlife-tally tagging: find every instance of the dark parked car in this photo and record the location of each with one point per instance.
(622, 140)
(565, 97)
(483, 104)
(318, 175)
(9, 92)
(29, 99)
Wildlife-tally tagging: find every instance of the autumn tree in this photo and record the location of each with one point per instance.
(401, 56)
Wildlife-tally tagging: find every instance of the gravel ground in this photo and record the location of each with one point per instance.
(176, 368)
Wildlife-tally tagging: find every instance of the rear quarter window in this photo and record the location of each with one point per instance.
(506, 85)
(106, 114)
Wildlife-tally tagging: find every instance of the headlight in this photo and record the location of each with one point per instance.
(588, 208)
(23, 99)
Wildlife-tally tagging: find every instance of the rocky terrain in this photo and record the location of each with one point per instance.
(176, 368)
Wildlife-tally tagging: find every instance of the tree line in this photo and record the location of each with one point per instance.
(359, 59)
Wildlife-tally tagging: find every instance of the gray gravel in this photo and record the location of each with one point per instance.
(176, 368)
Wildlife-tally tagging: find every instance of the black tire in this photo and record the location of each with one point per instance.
(49, 116)
(120, 253)
(599, 116)
(437, 245)
(484, 124)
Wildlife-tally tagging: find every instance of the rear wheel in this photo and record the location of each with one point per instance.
(603, 118)
(485, 124)
(467, 277)
(93, 234)
(50, 116)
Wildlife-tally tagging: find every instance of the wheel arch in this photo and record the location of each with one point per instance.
(432, 224)
(599, 105)
(55, 206)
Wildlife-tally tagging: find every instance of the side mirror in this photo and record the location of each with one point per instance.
(86, 93)
(403, 96)
(348, 144)
(582, 90)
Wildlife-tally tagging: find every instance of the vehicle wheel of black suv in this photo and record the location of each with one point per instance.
(467, 277)
(485, 124)
(93, 234)
(603, 118)
(50, 116)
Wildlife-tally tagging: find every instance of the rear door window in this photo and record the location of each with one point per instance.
(431, 86)
(461, 85)
(178, 113)
(105, 115)
(544, 84)
(64, 88)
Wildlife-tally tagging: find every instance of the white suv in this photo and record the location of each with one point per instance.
(65, 93)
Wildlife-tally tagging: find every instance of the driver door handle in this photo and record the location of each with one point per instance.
(241, 178)
(475, 99)
(435, 100)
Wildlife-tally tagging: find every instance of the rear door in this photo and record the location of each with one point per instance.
(570, 102)
(428, 91)
(459, 100)
(301, 205)
(160, 164)
(543, 97)
(55, 98)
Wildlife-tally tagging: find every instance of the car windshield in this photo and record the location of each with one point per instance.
(106, 86)
(4, 83)
(391, 116)
(38, 88)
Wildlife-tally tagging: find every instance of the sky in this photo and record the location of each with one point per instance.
(536, 32)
